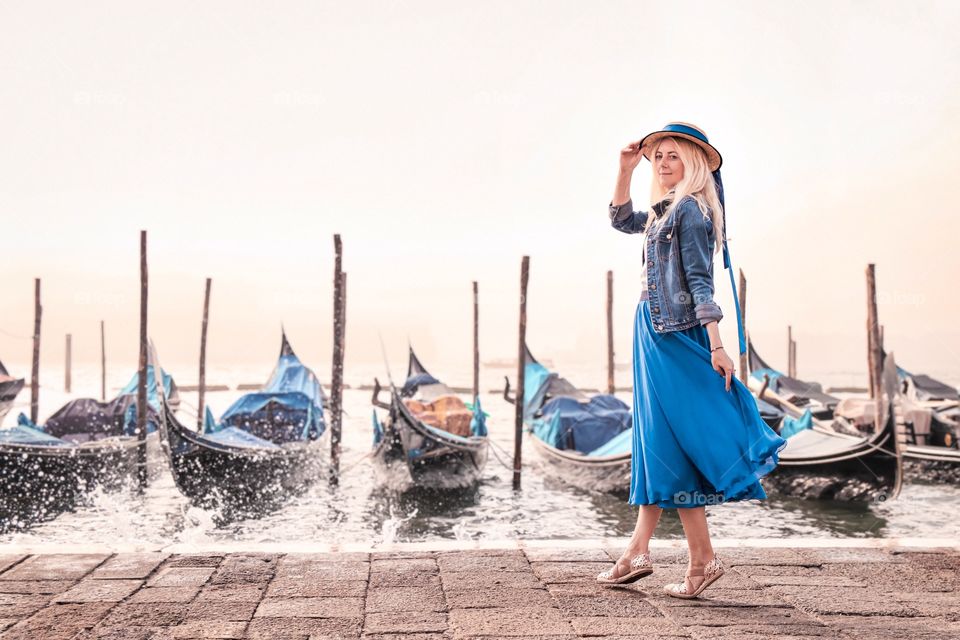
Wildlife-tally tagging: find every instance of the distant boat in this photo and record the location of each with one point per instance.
(585, 441)
(430, 439)
(9, 388)
(86, 444)
(266, 448)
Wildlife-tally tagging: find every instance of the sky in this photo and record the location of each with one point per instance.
(444, 141)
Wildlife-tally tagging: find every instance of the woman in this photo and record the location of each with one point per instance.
(698, 439)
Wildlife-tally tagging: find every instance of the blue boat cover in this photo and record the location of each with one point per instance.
(617, 446)
(168, 387)
(792, 426)
(478, 423)
(569, 423)
(235, 437)
(25, 432)
(289, 407)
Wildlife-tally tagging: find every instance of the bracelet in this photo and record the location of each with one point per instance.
(715, 348)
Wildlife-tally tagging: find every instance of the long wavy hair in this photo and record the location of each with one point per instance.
(697, 183)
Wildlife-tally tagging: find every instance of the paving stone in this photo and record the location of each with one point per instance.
(944, 605)
(764, 632)
(405, 622)
(58, 621)
(397, 555)
(90, 590)
(398, 636)
(614, 603)
(553, 572)
(499, 597)
(535, 554)
(388, 599)
(129, 566)
(36, 587)
(303, 628)
(327, 570)
(719, 597)
(404, 565)
(8, 560)
(886, 578)
(226, 611)
(660, 556)
(607, 626)
(508, 622)
(811, 581)
(209, 629)
(335, 556)
(721, 616)
(310, 608)
(453, 564)
(382, 579)
(159, 614)
(244, 592)
(19, 605)
(292, 588)
(486, 580)
(165, 594)
(245, 568)
(195, 560)
(754, 570)
(750, 555)
(892, 628)
(181, 577)
(6, 623)
(119, 633)
(835, 555)
(54, 567)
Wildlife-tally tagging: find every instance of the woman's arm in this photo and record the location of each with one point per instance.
(696, 238)
(622, 216)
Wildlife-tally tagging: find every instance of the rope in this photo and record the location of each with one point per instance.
(493, 447)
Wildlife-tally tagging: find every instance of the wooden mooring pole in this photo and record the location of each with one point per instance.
(142, 371)
(103, 362)
(336, 378)
(610, 380)
(742, 293)
(202, 383)
(476, 342)
(874, 357)
(35, 366)
(67, 364)
(518, 427)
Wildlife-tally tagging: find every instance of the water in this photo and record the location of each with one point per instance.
(359, 511)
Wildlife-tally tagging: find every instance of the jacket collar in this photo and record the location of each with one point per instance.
(661, 207)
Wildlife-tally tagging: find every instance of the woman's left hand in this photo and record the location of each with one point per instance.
(722, 364)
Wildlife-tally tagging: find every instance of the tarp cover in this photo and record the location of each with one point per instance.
(235, 437)
(28, 433)
(288, 408)
(169, 388)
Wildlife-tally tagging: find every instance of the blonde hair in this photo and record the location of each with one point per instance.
(697, 183)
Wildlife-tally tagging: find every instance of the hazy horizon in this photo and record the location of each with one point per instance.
(443, 142)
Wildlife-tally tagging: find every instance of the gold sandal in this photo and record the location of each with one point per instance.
(711, 572)
(640, 566)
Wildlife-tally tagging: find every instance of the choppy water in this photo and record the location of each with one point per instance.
(360, 511)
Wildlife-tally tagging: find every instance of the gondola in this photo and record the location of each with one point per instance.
(930, 412)
(9, 388)
(585, 441)
(802, 393)
(266, 448)
(86, 444)
(829, 459)
(430, 439)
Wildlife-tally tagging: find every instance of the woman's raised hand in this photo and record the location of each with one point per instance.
(630, 157)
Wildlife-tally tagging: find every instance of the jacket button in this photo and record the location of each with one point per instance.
(653, 286)
(656, 309)
(668, 235)
(650, 263)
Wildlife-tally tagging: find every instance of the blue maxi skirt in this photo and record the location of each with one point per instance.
(694, 442)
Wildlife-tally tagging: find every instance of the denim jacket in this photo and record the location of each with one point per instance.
(679, 263)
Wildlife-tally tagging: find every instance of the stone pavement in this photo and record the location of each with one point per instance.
(549, 593)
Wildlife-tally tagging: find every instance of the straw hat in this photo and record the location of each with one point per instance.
(686, 131)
